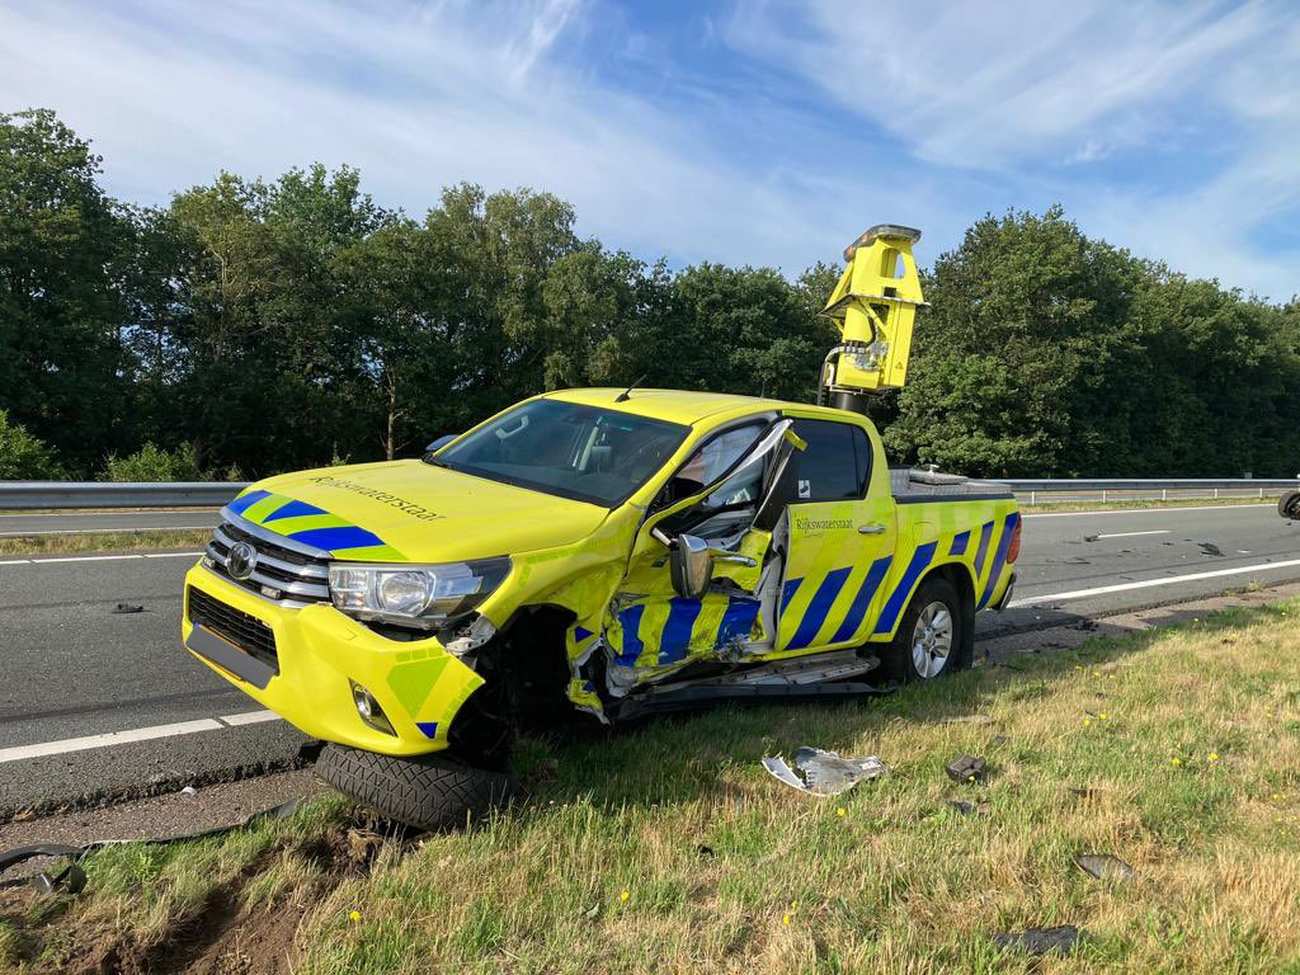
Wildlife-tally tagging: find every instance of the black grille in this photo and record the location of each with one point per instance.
(246, 632)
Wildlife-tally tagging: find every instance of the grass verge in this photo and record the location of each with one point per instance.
(667, 847)
(1143, 504)
(36, 545)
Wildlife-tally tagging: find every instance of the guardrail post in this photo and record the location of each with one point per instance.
(1033, 497)
(1103, 495)
(1216, 494)
(1164, 494)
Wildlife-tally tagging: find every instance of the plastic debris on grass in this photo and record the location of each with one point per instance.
(824, 773)
(967, 768)
(1040, 941)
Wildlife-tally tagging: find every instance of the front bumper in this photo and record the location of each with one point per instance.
(419, 684)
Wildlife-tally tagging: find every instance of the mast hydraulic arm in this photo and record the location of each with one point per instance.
(874, 306)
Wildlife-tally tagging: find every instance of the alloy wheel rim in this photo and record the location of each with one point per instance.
(932, 640)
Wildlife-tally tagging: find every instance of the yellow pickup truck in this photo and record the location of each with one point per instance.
(615, 552)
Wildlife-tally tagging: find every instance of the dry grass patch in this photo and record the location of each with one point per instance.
(36, 545)
(667, 849)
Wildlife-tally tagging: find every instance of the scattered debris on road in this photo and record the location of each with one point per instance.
(825, 773)
(124, 608)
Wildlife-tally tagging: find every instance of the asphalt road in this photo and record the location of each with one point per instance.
(73, 668)
(78, 522)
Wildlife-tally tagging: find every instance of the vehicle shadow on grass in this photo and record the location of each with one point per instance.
(686, 757)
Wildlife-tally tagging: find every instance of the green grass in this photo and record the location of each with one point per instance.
(1142, 504)
(667, 847)
(71, 544)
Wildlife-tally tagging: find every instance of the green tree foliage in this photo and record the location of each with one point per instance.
(149, 463)
(62, 245)
(270, 325)
(22, 456)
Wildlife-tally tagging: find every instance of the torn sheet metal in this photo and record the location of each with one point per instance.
(825, 773)
(650, 638)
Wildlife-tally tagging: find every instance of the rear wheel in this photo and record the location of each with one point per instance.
(929, 638)
(1289, 505)
(428, 792)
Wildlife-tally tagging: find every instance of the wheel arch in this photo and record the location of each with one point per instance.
(958, 576)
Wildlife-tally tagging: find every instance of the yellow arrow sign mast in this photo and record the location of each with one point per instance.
(874, 305)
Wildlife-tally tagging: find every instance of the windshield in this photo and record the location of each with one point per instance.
(580, 452)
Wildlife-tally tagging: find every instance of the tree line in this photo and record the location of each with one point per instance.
(255, 326)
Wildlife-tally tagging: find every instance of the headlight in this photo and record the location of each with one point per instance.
(417, 595)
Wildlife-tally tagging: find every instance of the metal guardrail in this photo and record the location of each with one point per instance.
(214, 494)
(126, 494)
(1142, 489)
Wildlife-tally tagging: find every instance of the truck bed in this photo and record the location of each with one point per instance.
(912, 486)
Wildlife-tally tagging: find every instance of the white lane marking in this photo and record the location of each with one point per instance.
(100, 531)
(248, 717)
(1158, 531)
(65, 745)
(88, 558)
(104, 558)
(151, 513)
(1057, 597)
(1149, 511)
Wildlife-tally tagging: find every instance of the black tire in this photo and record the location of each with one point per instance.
(1288, 506)
(430, 792)
(896, 660)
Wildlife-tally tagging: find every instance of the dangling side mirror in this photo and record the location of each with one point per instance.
(690, 563)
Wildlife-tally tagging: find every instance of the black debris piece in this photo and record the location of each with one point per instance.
(966, 768)
(962, 806)
(1040, 941)
(705, 852)
(1091, 538)
(71, 879)
(1103, 866)
(128, 608)
(1209, 548)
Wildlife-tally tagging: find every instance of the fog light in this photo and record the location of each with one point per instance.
(369, 710)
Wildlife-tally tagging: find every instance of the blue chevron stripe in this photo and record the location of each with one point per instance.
(862, 601)
(999, 558)
(820, 606)
(921, 558)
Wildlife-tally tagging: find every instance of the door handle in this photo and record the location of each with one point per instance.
(875, 528)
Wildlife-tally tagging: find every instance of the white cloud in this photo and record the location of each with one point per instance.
(941, 112)
(1037, 93)
(417, 99)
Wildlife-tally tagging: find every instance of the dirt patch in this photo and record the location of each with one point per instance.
(225, 935)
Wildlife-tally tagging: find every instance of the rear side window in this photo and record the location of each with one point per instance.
(829, 468)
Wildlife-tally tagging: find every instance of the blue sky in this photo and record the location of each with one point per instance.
(744, 131)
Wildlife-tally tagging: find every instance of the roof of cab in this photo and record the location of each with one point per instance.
(673, 405)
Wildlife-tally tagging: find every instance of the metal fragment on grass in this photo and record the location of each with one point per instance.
(824, 773)
(1103, 866)
(1040, 941)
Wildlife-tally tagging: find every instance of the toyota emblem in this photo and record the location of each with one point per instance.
(241, 561)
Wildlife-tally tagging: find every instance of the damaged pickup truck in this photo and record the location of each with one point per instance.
(614, 552)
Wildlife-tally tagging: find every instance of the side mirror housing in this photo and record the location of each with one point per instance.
(438, 444)
(690, 563)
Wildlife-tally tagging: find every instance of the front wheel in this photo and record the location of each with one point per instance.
(1289, 505)
(429, 792)
(929, 638)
